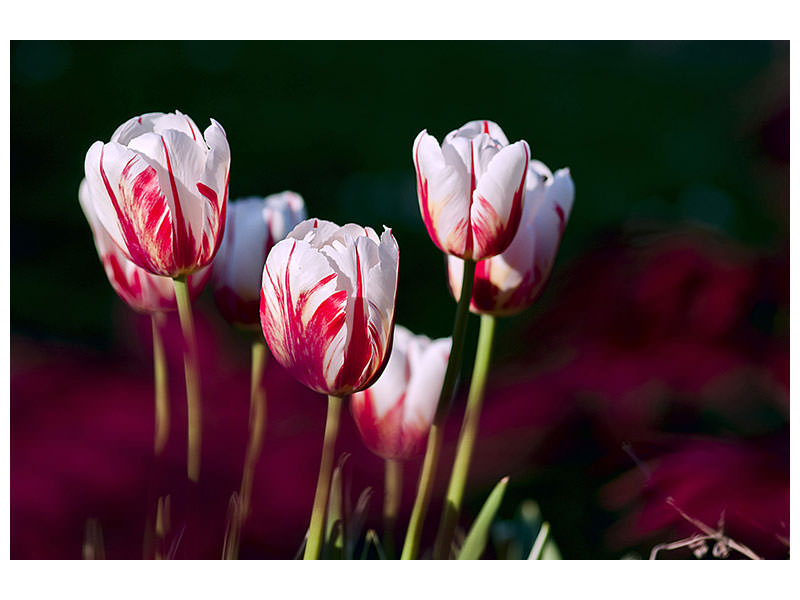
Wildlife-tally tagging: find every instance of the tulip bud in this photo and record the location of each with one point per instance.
(160, 190)
(471, 189)
(395, 414)
(509, 283)
(253, 226)
(140, 289)
(327, 304)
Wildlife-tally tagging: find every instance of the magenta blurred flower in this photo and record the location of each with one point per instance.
(140, 289)
(253, 226)
(395, 414)
(160, 190)
(471, 189)
(327, 304)
(509, 282)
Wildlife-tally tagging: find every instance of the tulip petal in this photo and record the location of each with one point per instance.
(427, 362)
(442, 188)
(498, 201)
(131, 205)
(178, 121)
(475, 128)
(213, 185)
(135, 127)
(302, 312)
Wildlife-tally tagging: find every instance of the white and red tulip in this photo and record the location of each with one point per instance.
(160, 189)
(471, 189)
(140, 289)
(395, 414)
(327, 304)
(254, 226)
(509, 283)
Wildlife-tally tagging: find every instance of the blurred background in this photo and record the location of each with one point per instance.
(655, 365)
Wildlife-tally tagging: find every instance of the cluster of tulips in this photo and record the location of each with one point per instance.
(323, 295)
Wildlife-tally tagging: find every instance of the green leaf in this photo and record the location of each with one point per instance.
(537, 551)
(551, 551)
(476, 538)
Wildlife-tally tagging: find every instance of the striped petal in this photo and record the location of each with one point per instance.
(443, 192)
(302, 311)
(131, 205)
(498, 200)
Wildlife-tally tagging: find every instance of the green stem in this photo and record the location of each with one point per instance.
(466, 440)
(161, 389)
(193, 402)
(428, 473)
(393, 489)
(258, 419)
(317, 527)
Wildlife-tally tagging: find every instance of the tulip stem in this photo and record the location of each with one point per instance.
(466, 440)
(393, 489)
(317, 527)
(258, 419)
(428, 473)
(193, 402)
(161, 388)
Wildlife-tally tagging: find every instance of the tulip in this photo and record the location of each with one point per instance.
(471, 188)
(327, 304)
(327, 311)
(471, 195)
(160, 190)
(504, 285)
(138, 288)
(510, 282)
(395, 414)
(253, 226)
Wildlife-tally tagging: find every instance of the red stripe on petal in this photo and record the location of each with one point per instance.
(491, 236)
(562, 220)
(360, 345)
(422, 193)
(222, 216)
(182, 241)
(486, 127)
(382, 435)
(189, 123)
(469, 244)
(207, 192)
